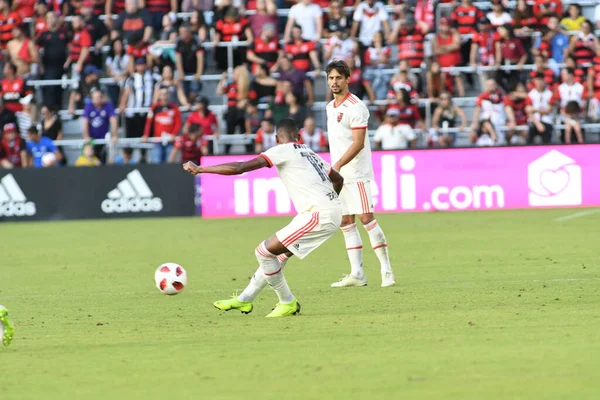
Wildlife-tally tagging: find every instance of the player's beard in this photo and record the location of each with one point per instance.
(337, 90)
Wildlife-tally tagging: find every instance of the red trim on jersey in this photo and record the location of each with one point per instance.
(312, 224)
(363, 197)
(274, 273)
(354, 248)
(345, 98)
(381, 245)
(268, 159)
(358, 127)
(352, 100)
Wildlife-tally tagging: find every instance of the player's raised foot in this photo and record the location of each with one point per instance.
(387, 279)
(7, 330)
(285, 310)
(350, 281)
(234, 304)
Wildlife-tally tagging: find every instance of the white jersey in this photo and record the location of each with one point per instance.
(305, 176)
(342, 119)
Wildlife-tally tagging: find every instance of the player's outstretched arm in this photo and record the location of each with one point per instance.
(234, 168)
(337, 180)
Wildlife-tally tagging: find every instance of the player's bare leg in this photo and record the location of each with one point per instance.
(379, 245)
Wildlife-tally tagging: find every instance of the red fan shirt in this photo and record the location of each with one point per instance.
(163, 119)
(12, 92)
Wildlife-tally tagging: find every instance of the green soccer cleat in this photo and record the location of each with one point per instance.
(7, 330)
(285, 310)
(234, 304)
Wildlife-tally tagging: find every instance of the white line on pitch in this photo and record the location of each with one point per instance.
(577, 215)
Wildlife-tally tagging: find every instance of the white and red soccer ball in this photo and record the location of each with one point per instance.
(170, 278)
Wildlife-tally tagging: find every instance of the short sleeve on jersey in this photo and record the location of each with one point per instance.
(276, 155)
(360, 118)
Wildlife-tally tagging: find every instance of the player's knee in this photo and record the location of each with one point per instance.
(366, 219)
(347, 220)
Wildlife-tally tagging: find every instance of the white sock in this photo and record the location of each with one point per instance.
(272, 271)
(259, 282)
(379, 244)
(354, 248)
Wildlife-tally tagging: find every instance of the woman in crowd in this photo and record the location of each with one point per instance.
(116, 68)
(51, 126)
(173, 86)
(444, 118)
(377, 57)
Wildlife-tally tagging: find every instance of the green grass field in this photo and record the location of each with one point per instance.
(488, 305)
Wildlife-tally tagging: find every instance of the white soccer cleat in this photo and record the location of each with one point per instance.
(387, 279)
(350, 281)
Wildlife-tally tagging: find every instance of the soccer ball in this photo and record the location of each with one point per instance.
(170, 278)
(48, 159)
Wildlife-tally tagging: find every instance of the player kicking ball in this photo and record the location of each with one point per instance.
(7, 330)
(347, 120)
(313, 187)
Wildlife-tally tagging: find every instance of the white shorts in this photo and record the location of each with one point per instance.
(356, 198)
(308, 231)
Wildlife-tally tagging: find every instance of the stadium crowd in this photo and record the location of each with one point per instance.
(535, 66)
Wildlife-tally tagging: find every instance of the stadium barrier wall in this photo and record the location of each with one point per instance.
(432, 180)
(103, 192)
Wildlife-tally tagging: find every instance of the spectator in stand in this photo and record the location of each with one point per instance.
(294, 80)
(525, 22)
(573, 20)
(82, 96)
(163, 122)
(377, 57)
(296, 111)
(483, 48)
(265, 49)
(465, 17)
(238, 94)
(13, 150)
(87, 157)
(198, 24)
(580, 72)
(424, 12)
(571, 97)
(544, 9)
(263, 86)
(489, 107)
(446, 48)
(371, 16)
(266, 136)
(408, 113)
(189, 60)
(312, 136)
(99, 119)
(410, 36)
(137, 48)
(498, 16)
(133, 22)
(53, 45)
(438, 82)
(137, 94)
(302, 52)
(37, 146)
(205, 118)
(158, 8)
(27, 116)
(593, 88)
(394, 136)
(539, 111)
(23, 52)
(231, 26)
(173, 86)
(310, 19)
(117, 64)
(51, 126)
(25, 8)
(6, 116)
(96, 29)
(191, 145)
(402, 80)
(339, 46)
(336, 20)
(8, 20)
(79, 50)
(266, 13)
(509, 51)
(584, 45)
(444, 118)
(40, 24)
(253, 118)
(197, 5)
(14, 88)
(541, 67)
(112, 7)
(514, 106)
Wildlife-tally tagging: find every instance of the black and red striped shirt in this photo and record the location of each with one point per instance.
(12, 92)
(158, 6)
(300, 51)
(7, 24)
(118, 6)
(232, 95)
(466, 18)
(228, 30)
(409, 114)
(518, 107)
(137, 51)
(549, 78)
(268, 51)
(80, 40)
(411, 46)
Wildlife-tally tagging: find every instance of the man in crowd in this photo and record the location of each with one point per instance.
(99, 118)
(53, 44)
(164, 122)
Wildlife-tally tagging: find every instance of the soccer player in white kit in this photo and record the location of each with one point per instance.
(347, 120)
(313, 187)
